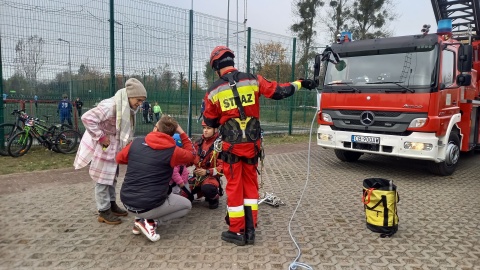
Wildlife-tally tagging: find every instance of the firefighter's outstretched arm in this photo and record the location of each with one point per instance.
(276, 91)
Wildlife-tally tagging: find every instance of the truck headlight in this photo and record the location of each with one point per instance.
(326, 117)
(324, 137)
(418, 146)
(418, 122)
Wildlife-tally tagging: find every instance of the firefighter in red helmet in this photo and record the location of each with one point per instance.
(232, 104)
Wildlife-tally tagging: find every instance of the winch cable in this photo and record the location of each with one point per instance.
(295, 262)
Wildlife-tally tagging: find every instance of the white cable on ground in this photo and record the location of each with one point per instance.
(295, 262)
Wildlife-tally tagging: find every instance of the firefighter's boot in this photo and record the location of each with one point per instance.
(236, 238)
(250, 227)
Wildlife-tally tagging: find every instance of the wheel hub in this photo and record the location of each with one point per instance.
(452, 154)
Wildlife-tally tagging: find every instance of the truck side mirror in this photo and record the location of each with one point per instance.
(465, 54)
(464, 79)
(316, 68)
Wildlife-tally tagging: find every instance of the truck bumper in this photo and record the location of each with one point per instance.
(389, 145)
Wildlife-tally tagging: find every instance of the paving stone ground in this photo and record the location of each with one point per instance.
(49, 221)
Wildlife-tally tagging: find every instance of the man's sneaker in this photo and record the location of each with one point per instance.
(148, 229)
(108, 217)
(136, 231)
(236, 238)
(250, 236)
(116, 210)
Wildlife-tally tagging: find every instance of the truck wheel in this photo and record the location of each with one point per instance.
(348, 156)
(452, 155)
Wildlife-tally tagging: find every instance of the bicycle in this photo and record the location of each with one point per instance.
(7, 130)
(64, 142)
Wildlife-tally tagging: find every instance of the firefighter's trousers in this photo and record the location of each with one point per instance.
(242, 195)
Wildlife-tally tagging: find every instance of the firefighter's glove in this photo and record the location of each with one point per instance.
(309, 84)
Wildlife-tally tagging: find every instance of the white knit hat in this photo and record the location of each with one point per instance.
(135, 88)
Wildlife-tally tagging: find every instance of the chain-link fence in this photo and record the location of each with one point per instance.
(55, 47)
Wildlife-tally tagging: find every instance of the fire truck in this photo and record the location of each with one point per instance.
(414, 97)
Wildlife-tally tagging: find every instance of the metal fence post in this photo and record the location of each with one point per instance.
(190, 75)
(112, 49)
(276, 105)
(249, 47)
(292, 79)
(2, 136)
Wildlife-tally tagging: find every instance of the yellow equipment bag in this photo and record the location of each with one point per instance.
(380, 199)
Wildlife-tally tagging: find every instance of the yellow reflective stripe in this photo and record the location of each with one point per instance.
(236, 214)
(253, 203)
(236, 211)
(297, 85)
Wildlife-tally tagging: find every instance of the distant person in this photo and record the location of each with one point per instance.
(4, 100)
(65, 110)
(35, 99)
(157, 111)
(79, 106)
(145, 190)
(145, 108)
(202, 109)
(109, 126)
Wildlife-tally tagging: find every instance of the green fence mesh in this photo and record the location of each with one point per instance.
(55, 47)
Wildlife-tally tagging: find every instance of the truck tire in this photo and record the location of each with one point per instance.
(448, 166)
(347, 156)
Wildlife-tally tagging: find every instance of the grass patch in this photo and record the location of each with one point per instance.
(39, 158)
(276, 139)
(36, 159)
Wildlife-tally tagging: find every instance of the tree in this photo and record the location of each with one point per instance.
(306, 10)
(369, 18)
(270, 60)
(338, 13)
(29, 57)
(167, 78)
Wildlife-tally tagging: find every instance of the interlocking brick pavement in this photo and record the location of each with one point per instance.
(49, 221)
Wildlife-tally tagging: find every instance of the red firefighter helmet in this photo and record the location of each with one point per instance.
(218, 52)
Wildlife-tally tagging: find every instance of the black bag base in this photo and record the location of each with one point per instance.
(384, 231)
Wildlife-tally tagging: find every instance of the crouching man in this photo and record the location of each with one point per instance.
(145, 190)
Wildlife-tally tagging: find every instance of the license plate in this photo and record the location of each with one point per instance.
(365, 139)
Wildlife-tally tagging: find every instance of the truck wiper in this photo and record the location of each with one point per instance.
(396, 83)
(351, 90)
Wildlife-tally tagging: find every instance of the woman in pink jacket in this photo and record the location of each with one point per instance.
(109, 128)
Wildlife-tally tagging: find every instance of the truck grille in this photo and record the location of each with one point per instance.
(383, 122)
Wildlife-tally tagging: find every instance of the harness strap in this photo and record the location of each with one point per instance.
(236, 97)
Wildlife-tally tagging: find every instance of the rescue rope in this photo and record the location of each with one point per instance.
(295, 262)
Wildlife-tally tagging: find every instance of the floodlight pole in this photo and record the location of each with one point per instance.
(69, 66)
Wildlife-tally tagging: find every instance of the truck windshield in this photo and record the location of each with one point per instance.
(412, 70)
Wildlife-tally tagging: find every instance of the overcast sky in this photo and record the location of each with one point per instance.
(276, 15)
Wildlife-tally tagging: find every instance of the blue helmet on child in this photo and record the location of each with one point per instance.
(177, 139)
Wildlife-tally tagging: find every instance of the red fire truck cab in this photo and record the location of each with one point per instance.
(413, 97)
